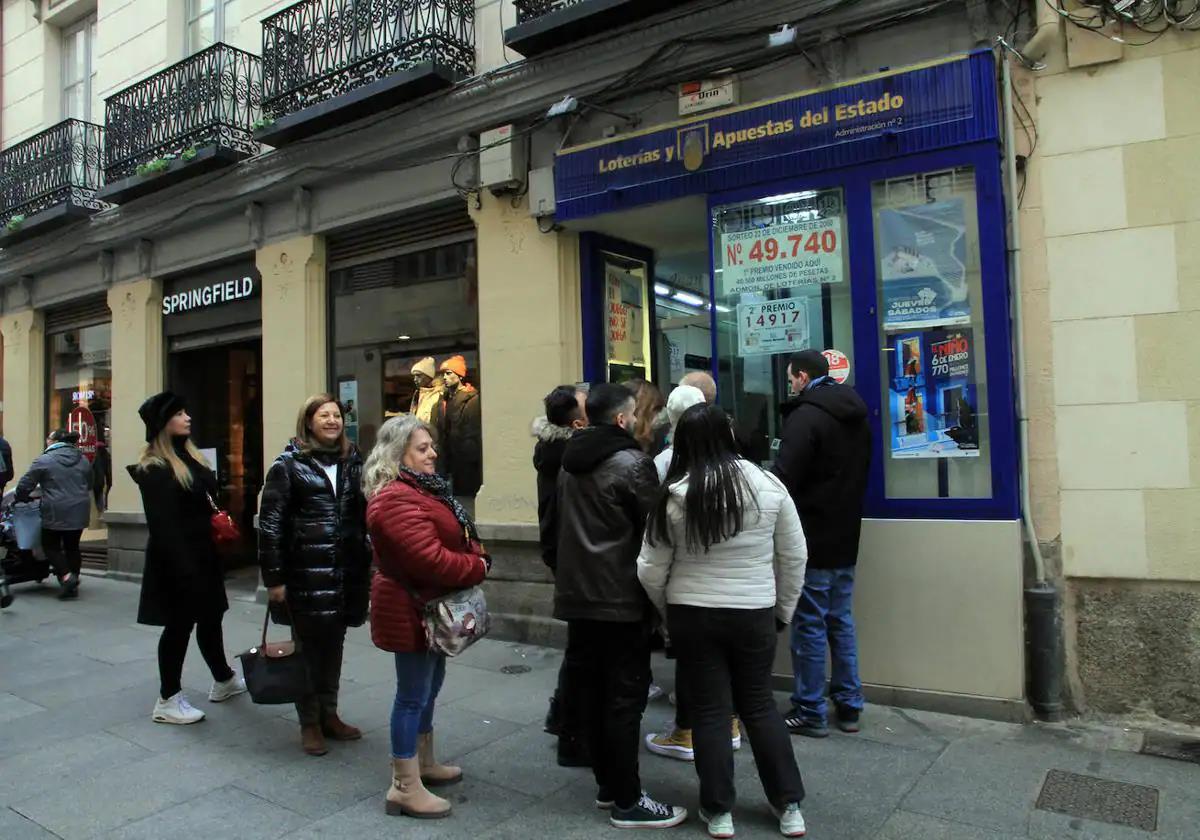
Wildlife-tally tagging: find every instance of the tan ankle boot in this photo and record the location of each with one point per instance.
(312, 741)
(432, 773)
(407, 797)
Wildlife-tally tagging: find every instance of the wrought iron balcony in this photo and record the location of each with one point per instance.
(543, 25)
(50, 179)
(193, 117)
(328, 62)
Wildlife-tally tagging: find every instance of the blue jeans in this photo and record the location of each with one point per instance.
(418, 680)
(824, 614)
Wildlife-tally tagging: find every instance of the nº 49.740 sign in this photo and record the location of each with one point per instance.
(782, 256)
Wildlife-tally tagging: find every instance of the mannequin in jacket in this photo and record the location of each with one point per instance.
(428, 390)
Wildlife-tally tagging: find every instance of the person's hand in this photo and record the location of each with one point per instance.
(277, 594)
(487, 563)
(780, 626)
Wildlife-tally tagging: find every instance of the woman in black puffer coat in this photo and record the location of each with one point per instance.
(312, 548)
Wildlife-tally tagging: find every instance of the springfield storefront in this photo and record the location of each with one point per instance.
(865, 220)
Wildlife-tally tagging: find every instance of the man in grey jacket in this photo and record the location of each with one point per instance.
(65, 478)
(605, 491)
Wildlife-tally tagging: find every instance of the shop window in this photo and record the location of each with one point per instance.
(782, 284)
(80, 392)
(933, 364)
(390, 314)
(627, 308)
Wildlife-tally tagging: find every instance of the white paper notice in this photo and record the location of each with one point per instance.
(782, 256)
(777, 326)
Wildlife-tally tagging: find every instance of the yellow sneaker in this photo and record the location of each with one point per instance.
(737, 734)
(675, 744)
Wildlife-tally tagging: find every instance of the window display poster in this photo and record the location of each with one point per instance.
(624, 309)
(924, 265)
(348, 397)
(782, 256)
(933, 396)
(776, 326)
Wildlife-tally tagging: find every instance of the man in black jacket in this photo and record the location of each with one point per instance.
(605, 492)
(823, 460)
(6, 464)
(566, 412)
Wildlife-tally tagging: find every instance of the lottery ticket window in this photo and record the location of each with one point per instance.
(781, 277)
(934, 395)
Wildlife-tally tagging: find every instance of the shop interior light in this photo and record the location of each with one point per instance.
(661, 290)
(689, 298)
(404, 337)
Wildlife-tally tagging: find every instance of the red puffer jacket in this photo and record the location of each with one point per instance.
(417, 540)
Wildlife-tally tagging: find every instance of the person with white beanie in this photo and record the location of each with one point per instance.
(680, 400)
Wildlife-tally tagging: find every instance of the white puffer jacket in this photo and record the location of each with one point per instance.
(762, 566)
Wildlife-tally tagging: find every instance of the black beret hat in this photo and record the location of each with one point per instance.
(157, 411)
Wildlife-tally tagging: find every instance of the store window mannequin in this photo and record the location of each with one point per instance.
(460, 444)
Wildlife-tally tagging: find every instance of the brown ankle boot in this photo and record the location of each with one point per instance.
(407, 797)
(312, 741)
(432, 773)
(334, 727)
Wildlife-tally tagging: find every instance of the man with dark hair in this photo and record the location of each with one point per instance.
(565, 414)
(823, 459)
(605, 492)
(6, 464)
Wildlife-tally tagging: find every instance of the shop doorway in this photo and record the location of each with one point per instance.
(223, 389)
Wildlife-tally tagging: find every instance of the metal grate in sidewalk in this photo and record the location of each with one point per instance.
(1101, 800)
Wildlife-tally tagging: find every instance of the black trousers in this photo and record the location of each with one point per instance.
(322, 648)
(172, 650)
(62, 551)
(608, 675)
(726, 656)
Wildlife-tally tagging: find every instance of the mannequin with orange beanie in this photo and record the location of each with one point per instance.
(460, 439)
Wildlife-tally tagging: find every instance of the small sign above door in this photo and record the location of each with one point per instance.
(212, 294)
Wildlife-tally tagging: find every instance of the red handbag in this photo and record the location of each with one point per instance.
(224, 530)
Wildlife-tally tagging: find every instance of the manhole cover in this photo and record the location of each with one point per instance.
(515, 669)
(1177, 747)
(1089, 798)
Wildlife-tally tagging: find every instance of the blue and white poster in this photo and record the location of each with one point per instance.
(924, 265)
(933, 400)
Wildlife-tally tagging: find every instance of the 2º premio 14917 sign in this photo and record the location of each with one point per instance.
(777, 326)
(782, 256)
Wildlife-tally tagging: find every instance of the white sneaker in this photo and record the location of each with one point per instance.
(791, 821)
(222, 691)
(719, 825)
(176, 710)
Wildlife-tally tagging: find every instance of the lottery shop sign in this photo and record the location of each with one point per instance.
(782, 256)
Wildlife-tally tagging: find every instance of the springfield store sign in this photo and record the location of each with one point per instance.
(212, 294)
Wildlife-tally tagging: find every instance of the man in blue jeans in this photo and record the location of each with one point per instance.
(824, 457)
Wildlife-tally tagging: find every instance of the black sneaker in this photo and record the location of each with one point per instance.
(573, 752)
(648, 813)
(604, 800)
(847, 719)
(553, 724)
(798, 724)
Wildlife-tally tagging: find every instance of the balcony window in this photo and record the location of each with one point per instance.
(79, 69)
(50, 179)
(545, 25)
(210, 22)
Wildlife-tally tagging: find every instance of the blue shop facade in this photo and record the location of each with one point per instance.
(866, 220)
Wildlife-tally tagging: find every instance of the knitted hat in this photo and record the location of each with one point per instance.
(681, 399)
(456, 364)
(425, 366)
(157, 411)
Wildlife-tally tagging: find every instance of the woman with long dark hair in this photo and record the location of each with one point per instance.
(723, 560)
(426, 546)
(182, 586)
(312, 548)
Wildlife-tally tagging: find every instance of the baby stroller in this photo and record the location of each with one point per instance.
(21, 561)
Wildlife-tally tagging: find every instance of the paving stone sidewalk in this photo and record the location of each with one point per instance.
(80, 758)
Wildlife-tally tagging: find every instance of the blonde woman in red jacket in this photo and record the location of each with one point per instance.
(424, 542)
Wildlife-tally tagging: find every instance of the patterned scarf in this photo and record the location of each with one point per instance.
(436, 486)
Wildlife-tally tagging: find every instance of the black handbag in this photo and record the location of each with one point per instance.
(275, 672)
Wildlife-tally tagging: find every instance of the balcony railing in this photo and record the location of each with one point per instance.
(543, 25)
(329, 61)
(199, 111)
(51, 177)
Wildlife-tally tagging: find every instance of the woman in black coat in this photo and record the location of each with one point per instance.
(312, 548)
(182, 585)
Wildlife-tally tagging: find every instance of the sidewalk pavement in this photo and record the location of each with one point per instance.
(80, 757)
